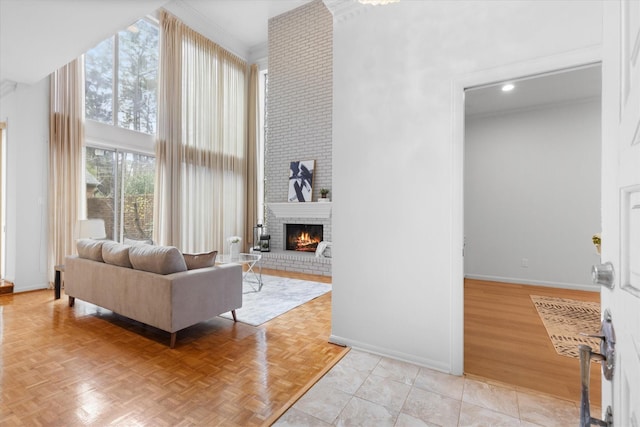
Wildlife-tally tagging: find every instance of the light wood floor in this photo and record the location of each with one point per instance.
(86, 366)
(505, 340)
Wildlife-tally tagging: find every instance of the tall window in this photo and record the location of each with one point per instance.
(120, 190)
(121, 78)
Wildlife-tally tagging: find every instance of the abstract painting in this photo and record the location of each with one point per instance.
(300, 180)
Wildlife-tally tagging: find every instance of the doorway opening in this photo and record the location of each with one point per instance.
(531, 204)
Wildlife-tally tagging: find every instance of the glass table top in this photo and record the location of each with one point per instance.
(240, 259)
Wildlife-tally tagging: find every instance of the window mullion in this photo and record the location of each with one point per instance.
(116, 77)
(121, 192)
(116, 197)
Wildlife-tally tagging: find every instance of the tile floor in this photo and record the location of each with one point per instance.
(368, 390)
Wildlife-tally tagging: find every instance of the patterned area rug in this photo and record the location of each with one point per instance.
(278, 295)
(565, 319)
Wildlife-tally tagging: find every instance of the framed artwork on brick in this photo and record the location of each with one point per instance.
(300, 180)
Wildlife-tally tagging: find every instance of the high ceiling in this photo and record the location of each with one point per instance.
(38, 36)
(246, 20)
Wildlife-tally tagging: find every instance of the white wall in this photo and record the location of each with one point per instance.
(26, 112)
(392, 156)
(532, 191)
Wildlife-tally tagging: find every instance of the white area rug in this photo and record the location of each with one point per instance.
(278, 295)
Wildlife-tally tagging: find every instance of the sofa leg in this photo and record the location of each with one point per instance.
(72, 301)
(233, 313)
(172, 344)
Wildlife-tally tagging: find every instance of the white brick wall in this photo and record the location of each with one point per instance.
(303, 262)
(299, 107)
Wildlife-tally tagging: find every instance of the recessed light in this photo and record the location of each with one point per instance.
(508, 87)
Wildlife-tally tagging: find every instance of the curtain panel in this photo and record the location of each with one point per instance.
(253, 129)
(66, 141)
(202, 145)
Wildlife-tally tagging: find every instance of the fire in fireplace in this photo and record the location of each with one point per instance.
(302, 237)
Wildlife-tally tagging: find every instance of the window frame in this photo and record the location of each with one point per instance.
(118, 213)
(116, 80)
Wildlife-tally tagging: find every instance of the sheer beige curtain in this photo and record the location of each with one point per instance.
(66, 139)
(201, 151)
(253, 125)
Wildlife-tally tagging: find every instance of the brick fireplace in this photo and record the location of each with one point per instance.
(299, 127)
(297, 215)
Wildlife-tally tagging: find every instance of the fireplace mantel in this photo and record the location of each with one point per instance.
(301, 209)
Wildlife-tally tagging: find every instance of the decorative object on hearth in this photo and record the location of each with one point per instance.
(300, 180)
(234, 246)
(265, 243)
(323, 250)
(258, 230)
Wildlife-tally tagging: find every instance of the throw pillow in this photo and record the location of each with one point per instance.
(323, 249)
(203, 260)
(116, 254)
(90, 249)
(157, 259)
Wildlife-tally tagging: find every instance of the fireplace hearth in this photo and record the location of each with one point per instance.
(302, 237)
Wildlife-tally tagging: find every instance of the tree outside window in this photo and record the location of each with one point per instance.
(121, 78)
(98, 82)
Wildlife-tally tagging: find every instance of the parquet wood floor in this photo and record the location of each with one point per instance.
(505, 340)
(64, 366)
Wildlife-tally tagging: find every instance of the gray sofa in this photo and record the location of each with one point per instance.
(152, 284)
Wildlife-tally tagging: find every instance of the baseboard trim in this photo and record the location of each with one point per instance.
(520, 281)
(397, 355)
(36, 287)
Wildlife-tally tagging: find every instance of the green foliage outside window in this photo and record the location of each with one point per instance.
(121, 79)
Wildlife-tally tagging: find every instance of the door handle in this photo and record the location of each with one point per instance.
(603, 274)
(607, 357)
(586, 419)
(607, 337)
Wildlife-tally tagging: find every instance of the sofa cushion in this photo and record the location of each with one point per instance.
(116, 253)
(90, 249)
(132, 242)
(157, 259)
(203, 260)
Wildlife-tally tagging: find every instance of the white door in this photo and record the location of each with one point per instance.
(621, 203)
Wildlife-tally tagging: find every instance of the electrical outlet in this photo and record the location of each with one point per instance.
(524, 263)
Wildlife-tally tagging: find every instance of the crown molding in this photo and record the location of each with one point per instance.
(210, 30)
(6, 87)
(343, 10)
